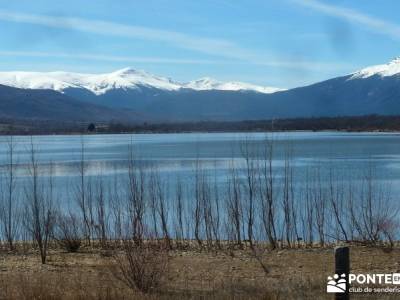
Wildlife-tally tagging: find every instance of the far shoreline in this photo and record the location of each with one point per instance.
(352, 124)
(384, 132)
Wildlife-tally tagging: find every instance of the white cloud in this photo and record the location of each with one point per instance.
(372, 23)
(229, 51)
(111, 58)
(217, 47)
(288, 64)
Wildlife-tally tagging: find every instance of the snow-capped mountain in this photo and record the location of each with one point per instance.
(128, 78)
(96, 83)
(373, 90)
(390, 69)
(207, 83)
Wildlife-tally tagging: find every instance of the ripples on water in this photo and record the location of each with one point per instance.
(177, 155)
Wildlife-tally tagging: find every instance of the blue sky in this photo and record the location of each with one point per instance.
(283, 43)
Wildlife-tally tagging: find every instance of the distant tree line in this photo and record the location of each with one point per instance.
(340, 123)
(356, 123)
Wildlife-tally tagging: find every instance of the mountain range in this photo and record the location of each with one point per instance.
(129, 95)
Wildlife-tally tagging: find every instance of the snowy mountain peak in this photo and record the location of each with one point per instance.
(389, 69)
(132, 78)
(34, 80)
(396, 60)
(127, 78)
(207, 83)
(98, 84)
(128, 71)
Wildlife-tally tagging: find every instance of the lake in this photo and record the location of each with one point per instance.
(314, 161)
(178, 153)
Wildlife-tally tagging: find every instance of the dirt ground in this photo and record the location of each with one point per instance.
(192, 274)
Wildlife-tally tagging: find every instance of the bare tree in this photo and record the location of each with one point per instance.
(82, 191)
(179, 213)
(378, 215)
(197, 210)
(319, 203)
(206, 208)
(249, 155)
(234, 206)
(9, 205)
(40, 214)
(216, 215)
(158, 188)
(136, 197)
(101, 223)
(267, 193)
(116, 206)
(336, 201)
(309, 213)
(287, 198)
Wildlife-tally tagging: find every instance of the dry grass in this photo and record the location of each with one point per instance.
(192, 274)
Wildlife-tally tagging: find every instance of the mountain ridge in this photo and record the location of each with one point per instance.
(23, 104)
(136, 96)
(127, 78)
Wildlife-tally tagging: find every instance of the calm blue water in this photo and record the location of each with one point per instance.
(175, 155)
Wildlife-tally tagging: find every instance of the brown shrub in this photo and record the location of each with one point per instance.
(67, 232)
(142, 266)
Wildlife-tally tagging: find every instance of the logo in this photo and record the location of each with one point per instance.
(374, 283)
(336, 284)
